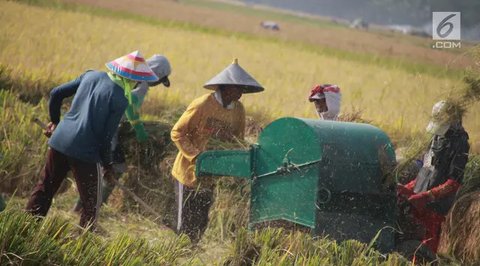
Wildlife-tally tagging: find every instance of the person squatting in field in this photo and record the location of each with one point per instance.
(161, 67)
(217, 115)
(327, 99)
(432, 192)
(81, 142)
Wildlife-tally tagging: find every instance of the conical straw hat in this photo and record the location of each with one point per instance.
(234, 74)
(132, 66)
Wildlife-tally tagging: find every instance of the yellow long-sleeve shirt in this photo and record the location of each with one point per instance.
(204, 118)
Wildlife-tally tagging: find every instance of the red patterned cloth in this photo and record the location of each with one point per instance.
(432, 222)
(321, 89)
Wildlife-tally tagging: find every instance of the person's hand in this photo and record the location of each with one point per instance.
(48, 131)
(420, 200)
(403, 191)
(108, 175)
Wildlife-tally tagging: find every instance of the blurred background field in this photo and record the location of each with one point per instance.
(393, 83)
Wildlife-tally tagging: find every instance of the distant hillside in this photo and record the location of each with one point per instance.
(323, 33)
(386, 12)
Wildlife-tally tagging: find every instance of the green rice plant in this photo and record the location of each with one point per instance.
(26, 240)
(29, 240)
(274, 246)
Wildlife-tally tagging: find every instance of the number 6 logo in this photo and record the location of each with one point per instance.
(446, 25)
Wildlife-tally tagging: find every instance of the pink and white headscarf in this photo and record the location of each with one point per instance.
(332, 96)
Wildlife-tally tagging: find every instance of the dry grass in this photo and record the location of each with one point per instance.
(461, 231)
(396, 99)
(22, 146)
(337, 37)
(282, 247)
(392, 97)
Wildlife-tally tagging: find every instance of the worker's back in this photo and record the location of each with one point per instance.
(97, 107)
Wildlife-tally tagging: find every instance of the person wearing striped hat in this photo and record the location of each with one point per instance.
(81, 142)
(327, 99)
(218, 115)
(161, 67)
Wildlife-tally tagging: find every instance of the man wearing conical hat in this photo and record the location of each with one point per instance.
(161, 67)
(81, 142)
(217, 115)
(432, 192)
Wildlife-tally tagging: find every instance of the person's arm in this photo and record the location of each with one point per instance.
(133, 116)
(453, 183)
(58, 94)
(180, 132)
(455, 174)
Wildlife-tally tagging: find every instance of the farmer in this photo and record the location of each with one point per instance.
(81, 142)
(161, 67)
(432, 192)
(327, 100)
(215, 115)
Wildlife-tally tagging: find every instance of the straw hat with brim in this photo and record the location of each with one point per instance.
(234, 74)
(440, 121)
(132, 66)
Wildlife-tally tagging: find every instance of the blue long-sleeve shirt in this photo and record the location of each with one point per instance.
(86, 131)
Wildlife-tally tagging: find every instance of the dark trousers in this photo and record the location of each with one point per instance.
(87, 177)
(106, 191)
(192, 209)
(119, 168)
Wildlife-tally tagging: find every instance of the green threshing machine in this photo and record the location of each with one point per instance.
(331, 177)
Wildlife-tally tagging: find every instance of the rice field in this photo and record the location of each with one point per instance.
(393, 97)
(47, 43)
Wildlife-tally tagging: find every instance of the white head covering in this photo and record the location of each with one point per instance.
(333, 98)
(439, 122)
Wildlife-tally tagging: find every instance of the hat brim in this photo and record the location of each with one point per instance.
(166, 82)
(437, 128)
(245, 88)
(136, 76)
